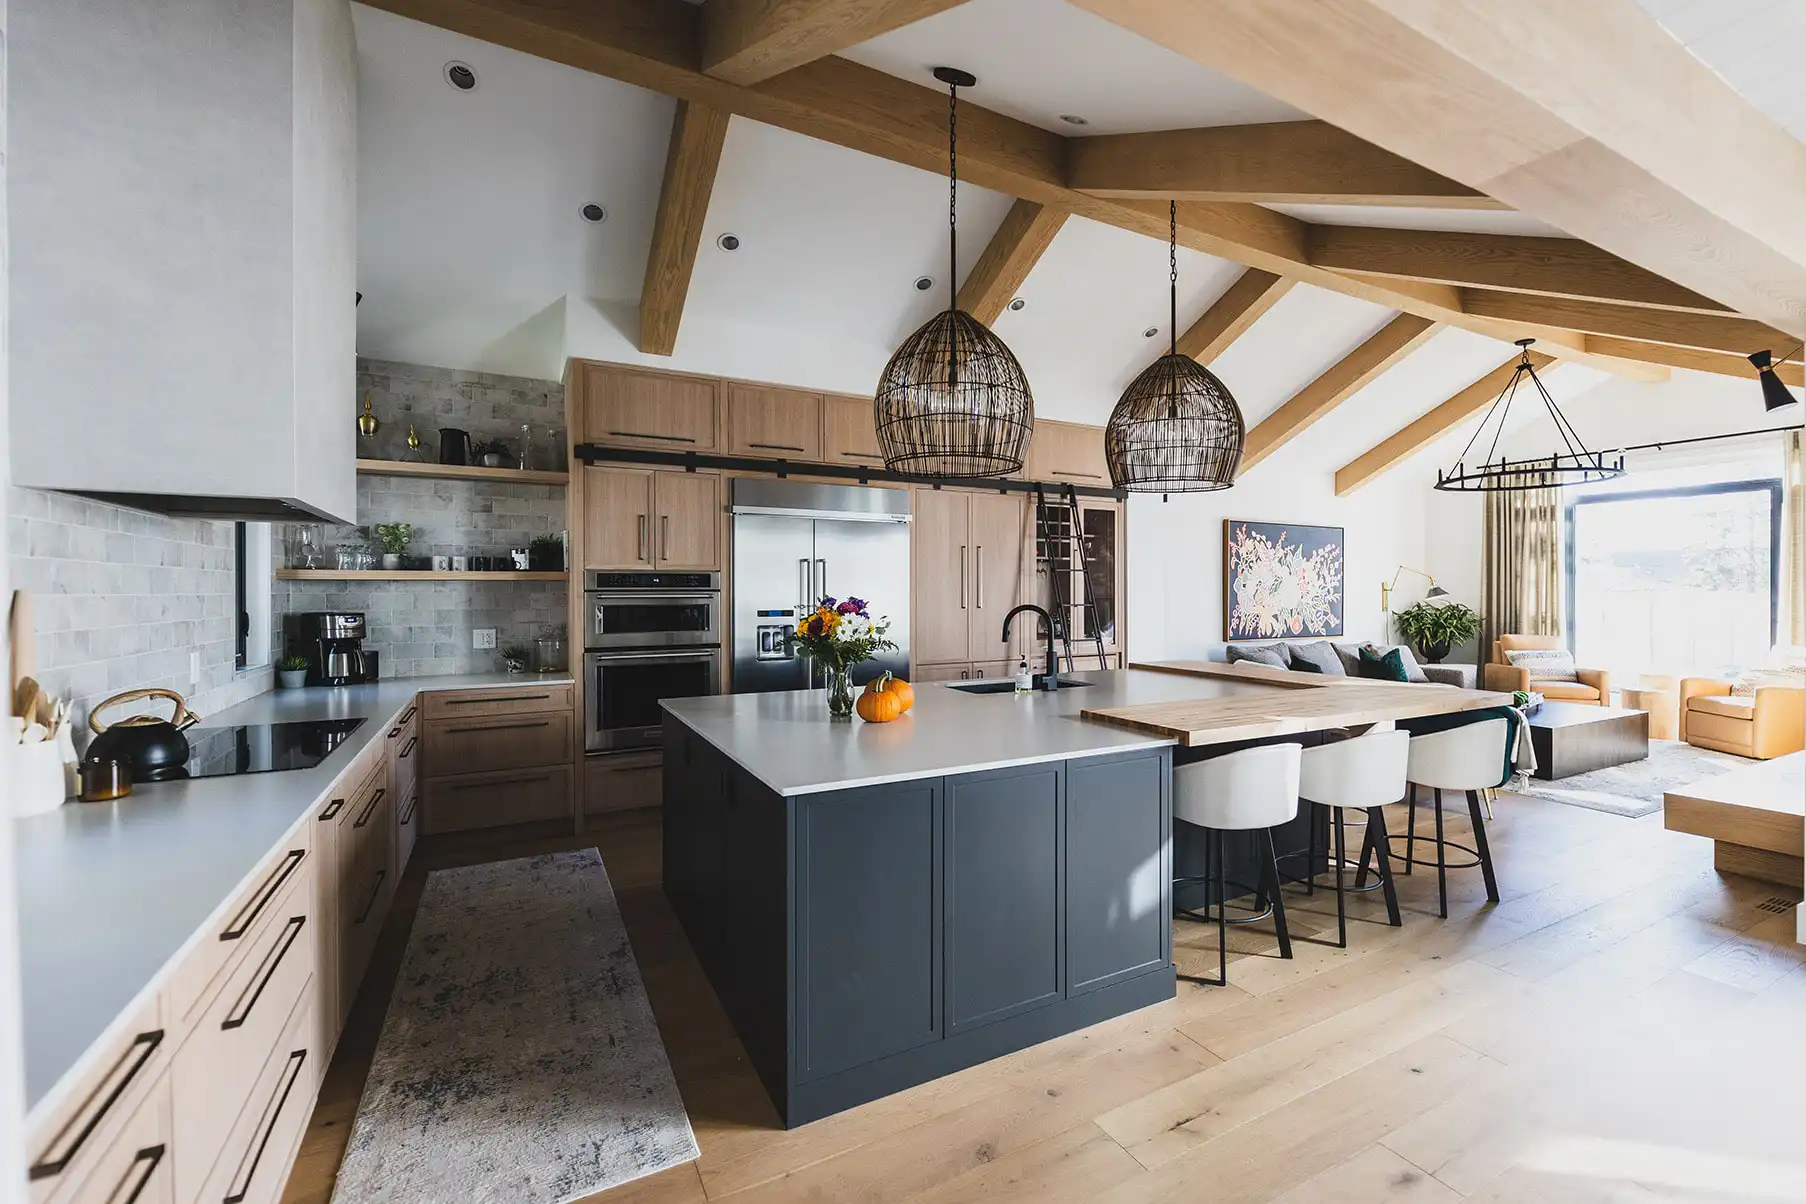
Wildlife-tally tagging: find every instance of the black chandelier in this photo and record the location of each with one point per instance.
(1573, 466)
(953, 401)
(1176, 428)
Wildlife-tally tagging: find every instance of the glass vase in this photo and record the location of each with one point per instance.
(840, 692)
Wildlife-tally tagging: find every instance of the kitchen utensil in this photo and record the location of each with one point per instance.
(454, 445)
(24, 638)
(153, 746)
(102, 781)
(25, 699)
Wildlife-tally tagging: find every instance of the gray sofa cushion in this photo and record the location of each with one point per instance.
(1317, 657)
(1350, 656)
(1260, 654)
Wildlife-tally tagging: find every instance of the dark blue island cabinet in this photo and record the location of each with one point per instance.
(868, 939)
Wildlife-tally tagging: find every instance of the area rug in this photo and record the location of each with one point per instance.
(519, 1060)
(1635, 789)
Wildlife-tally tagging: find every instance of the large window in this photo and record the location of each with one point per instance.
(1674, 580)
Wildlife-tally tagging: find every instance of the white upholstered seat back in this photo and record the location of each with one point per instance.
(1368, 771)
(1471, 757)
(1239, 791)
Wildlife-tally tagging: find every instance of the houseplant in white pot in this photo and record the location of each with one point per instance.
(394, 537)
(291, 671)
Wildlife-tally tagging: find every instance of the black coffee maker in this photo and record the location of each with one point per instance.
(333, 643)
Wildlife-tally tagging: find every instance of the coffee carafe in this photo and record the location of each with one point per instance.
(333, 643)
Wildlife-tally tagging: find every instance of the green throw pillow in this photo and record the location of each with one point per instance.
(1387, 667)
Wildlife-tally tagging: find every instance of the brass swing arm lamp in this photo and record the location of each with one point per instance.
(1436, 591)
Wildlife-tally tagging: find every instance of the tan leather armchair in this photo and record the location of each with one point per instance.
(1594, 685)
(1770, 723)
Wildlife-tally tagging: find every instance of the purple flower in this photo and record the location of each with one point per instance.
(849, 607)
(827, 602)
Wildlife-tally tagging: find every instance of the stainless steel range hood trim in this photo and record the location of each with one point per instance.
(799, 499)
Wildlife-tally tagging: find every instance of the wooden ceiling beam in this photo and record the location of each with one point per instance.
(749, 41)
(1027, 231)
(1711, 332)
(1296, 162)
(1342, 380)
(1718, 362)
(698, 133)
(1552, 267)
(1416, 436)
(1591, 117)
(1252, 294)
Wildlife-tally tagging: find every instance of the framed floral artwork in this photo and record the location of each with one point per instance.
(1281, 580)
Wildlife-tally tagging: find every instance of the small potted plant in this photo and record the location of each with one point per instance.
(546, 554)
(291, 671)
(1435, 627)
(394, 537)
(514, 658)
(491, 453)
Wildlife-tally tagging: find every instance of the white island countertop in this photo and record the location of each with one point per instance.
(787, 741)
(112, 893)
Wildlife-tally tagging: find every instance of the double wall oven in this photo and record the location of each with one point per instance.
(647, 636)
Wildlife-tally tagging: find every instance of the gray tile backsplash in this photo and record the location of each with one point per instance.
(422, 629)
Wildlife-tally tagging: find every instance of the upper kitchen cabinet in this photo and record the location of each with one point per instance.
(1067, 453)
(849, 432)
(780, 424)
(183, 228)
(663, 410)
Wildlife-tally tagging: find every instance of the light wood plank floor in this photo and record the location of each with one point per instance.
(1626, 1025)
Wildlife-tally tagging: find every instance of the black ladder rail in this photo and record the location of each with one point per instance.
(1081, 546)
(1058, 589)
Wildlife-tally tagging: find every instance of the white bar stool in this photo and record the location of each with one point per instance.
(1468, 758)
(1361, 774)
(1253, 790)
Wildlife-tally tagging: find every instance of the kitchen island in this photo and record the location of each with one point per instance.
(877, 905)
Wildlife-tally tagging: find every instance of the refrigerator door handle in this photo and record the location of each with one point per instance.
(821, 579)
(804, 604)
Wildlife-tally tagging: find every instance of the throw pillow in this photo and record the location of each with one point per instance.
(1383, 666)
(1260, 654)
(1750, 680)
(1317, 657)
(1350, 656)
(1413, 671)
(1545, 664)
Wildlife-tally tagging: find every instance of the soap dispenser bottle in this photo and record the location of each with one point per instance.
(1025, 677)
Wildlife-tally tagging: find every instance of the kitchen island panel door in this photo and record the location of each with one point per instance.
(1005, 865)
(868, 925)
(1118, 872)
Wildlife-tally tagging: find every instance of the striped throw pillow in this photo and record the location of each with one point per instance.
(1545, 664)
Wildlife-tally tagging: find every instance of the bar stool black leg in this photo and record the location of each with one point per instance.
(1310, 853)
(1335, 817)
(1442, 868)
(1377, 840)
(1410, 828)
(1480, 845)
(1222, 915)
(1366, 852)
(1270, 871)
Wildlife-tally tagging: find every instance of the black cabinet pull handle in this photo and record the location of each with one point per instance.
(862, 455)
(408, 815)
(644, 435)
(538, 777)
(337, 805)
(272, 960)
(778, 446)
(369, 810)
(266, 1127)
(75, 1134)
(245, 920)
(148, 1159)
(503, 727)
(402, 722)
(469, 702)
(376, 890)
(407, 750)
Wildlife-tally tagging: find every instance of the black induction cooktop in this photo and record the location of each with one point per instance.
(219, 752)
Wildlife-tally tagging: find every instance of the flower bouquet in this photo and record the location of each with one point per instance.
(839, 636)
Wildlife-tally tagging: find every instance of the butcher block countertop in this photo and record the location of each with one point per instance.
(1306, 702)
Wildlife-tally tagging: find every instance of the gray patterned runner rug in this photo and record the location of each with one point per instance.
(519, 1060)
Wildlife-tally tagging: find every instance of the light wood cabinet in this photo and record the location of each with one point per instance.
(255, 1157)
(1067, 452)
(780, 424)
(490, 800)
(688, 505)
(623, 407)
(943, 672)
(634, 518)
(622, 781)
(402, 753)
(485, 744)
(849, 434)
(999, 571)
(497, 757)
(78, 1139)
(970, 567)
(136, 1166)
(524, 699)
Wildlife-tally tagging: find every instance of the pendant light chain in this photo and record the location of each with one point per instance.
(952, 196)
(1172, 271)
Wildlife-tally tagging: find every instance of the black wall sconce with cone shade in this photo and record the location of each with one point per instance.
(953, 402)
(1569, 464)
(1176, 428)
(1774, 389)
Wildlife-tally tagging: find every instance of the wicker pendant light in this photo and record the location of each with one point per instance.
(953, 401)
(1177, 428)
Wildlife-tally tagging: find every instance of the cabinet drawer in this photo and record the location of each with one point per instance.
(498, 742)
(515, 700)
(402, 750)
(775, 424)
(247, 919)
(848, 433)
(622, 781)
(1068, 452)
(217, 1068)
(489, 800)
(407, 828)
(136, 1166)
(254, 1161)
(647, 409)
(70, 1143)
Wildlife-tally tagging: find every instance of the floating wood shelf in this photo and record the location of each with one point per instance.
(462, 472)
(411, 575)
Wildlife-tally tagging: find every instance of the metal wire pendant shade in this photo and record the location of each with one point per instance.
(1573, 466)
(1176, 428)
(953, 401)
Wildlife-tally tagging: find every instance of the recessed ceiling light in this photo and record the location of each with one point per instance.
(593, 212)
(1073, 119)
(924, 283)
(1017, 304)
(728, 242)
(460, 76)
(1150, 332)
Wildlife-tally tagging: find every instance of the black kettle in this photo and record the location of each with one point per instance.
(454, 445)
(155, 748)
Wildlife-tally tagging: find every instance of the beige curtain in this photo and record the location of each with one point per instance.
(1521, 566)
(1791, 625)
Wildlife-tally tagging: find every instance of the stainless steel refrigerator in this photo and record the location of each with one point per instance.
(795, 542)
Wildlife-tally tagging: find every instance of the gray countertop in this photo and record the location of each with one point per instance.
(112, 893)
(787, 741)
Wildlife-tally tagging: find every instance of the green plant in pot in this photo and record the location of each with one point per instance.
(394, 538)
(514, 658)
(291, 671)
(1435, 627)
(491, 453)
(546, 554)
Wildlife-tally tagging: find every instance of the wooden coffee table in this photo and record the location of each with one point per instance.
(1572, 737)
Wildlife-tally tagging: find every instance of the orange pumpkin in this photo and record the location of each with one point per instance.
(877, 704)
(899, 687)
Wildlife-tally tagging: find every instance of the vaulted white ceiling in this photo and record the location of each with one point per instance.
(1758, 46)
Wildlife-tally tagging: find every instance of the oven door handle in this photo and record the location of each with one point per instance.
(674, 657)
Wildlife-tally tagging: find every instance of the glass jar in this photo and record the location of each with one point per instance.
(551, 448)
(525, 459)
(840, 691)
(548, 654)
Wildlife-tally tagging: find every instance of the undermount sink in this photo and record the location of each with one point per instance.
(1009, 687)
